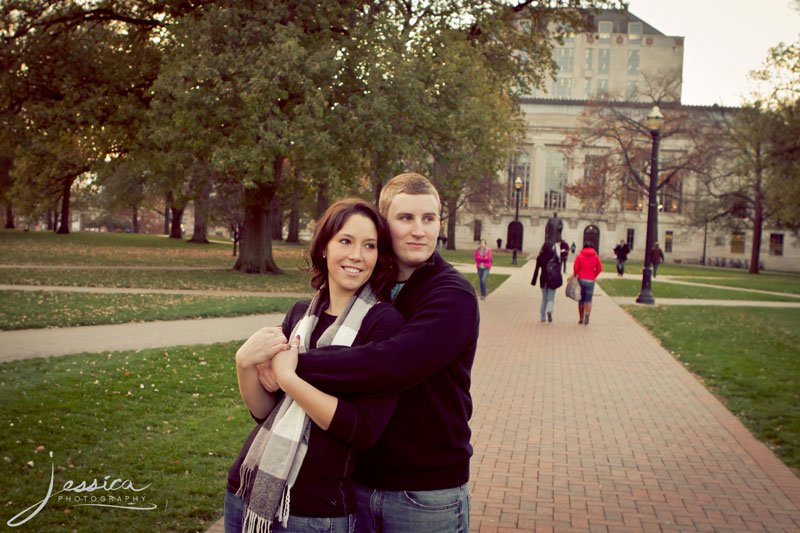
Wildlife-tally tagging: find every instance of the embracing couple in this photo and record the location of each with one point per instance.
(361, 397)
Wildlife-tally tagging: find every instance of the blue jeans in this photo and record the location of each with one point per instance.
(587, 290)
(411, 511)
(483, 273)
(234, 509)
(621, 266)
(548, 300)
(655, 269)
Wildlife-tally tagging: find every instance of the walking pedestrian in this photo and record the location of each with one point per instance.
(547, 261)
(586, 268)
(564, 254)
(656, 258)
(483, 260)
(621, 251)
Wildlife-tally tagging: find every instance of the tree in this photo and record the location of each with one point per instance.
(613, 147)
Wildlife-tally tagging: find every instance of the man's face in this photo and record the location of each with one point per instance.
(414, 225)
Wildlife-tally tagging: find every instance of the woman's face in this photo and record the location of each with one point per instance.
(351, 254)
(483, 243)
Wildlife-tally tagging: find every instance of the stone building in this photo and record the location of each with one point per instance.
(615, 62)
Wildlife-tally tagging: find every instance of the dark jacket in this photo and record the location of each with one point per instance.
(426, 444)
(548, 251)
(656, 256)
(324, 486)
(622, 251)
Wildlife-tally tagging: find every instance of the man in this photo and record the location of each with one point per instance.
(415, 477)
(564, 254)
(621, 251)
(656, 257)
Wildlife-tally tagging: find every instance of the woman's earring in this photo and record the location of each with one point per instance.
(323, 255)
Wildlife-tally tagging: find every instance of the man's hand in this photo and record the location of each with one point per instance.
(261, 346)
(266, 376)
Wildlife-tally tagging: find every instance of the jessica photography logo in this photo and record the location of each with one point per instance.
(115, 493)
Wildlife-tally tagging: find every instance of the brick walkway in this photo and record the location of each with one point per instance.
(597, 428)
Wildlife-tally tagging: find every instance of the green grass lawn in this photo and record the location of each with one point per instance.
(632, 287)
(126, 249)
(212, 279)
(42, 309)
(748, 357)
(675, 269)
(171, 419)
(492, 282)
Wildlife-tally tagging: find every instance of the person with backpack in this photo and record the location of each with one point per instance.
(551, 279)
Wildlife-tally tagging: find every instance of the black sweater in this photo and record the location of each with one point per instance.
(425, 445)
(323, 486)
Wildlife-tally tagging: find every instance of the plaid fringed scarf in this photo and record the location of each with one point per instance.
(270, 468)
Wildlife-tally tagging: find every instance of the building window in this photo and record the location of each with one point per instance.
(588, 92)
(564, 59)
(604, 30)
(633, 62)
(603, 60)
(668, 242)
(669, 197)
(737, 242)
(476, 230)
(629, 238)
(554, 181)
(634, 32)
(519, 167)
(563, 88)
(631, 89)
(602, 88)
(594, 180)
(776, 244)
(633, 200)
(588, 63)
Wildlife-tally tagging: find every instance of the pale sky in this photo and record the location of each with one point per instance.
(724, 41)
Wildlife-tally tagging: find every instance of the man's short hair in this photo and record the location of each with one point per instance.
(406, 183)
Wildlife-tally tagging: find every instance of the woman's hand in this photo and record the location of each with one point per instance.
(261, 346)
(284, 363)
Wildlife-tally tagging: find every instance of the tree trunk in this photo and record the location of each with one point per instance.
(255, 255)
(293, 234)
(9, 216)
(322, 200)
(64, 227)
(758, 224)
(177, 217)
(135, 218)
(451, 224)
(275, 218)
(200, 233)
(167, 210)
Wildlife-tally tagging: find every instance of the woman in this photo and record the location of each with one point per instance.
(587, 267)
(550, 280)
(483, 259)
(300, 480)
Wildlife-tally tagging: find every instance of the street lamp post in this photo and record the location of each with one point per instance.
(654, 122)
(517, 187)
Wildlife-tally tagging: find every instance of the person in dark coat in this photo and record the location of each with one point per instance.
(621, 251)
(656, 257)
(550, 280)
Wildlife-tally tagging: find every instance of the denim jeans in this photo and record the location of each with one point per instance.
(587, 290)
(407, 511)
(483, 273)
(655, 269)
(621, 266)
(548, 300)
(234, 507)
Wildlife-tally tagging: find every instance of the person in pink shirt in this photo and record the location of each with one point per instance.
(483, 259)
(586, 268)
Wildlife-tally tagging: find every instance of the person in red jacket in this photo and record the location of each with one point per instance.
(586, 268)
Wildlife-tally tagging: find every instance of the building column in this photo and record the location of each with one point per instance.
(538, 169)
